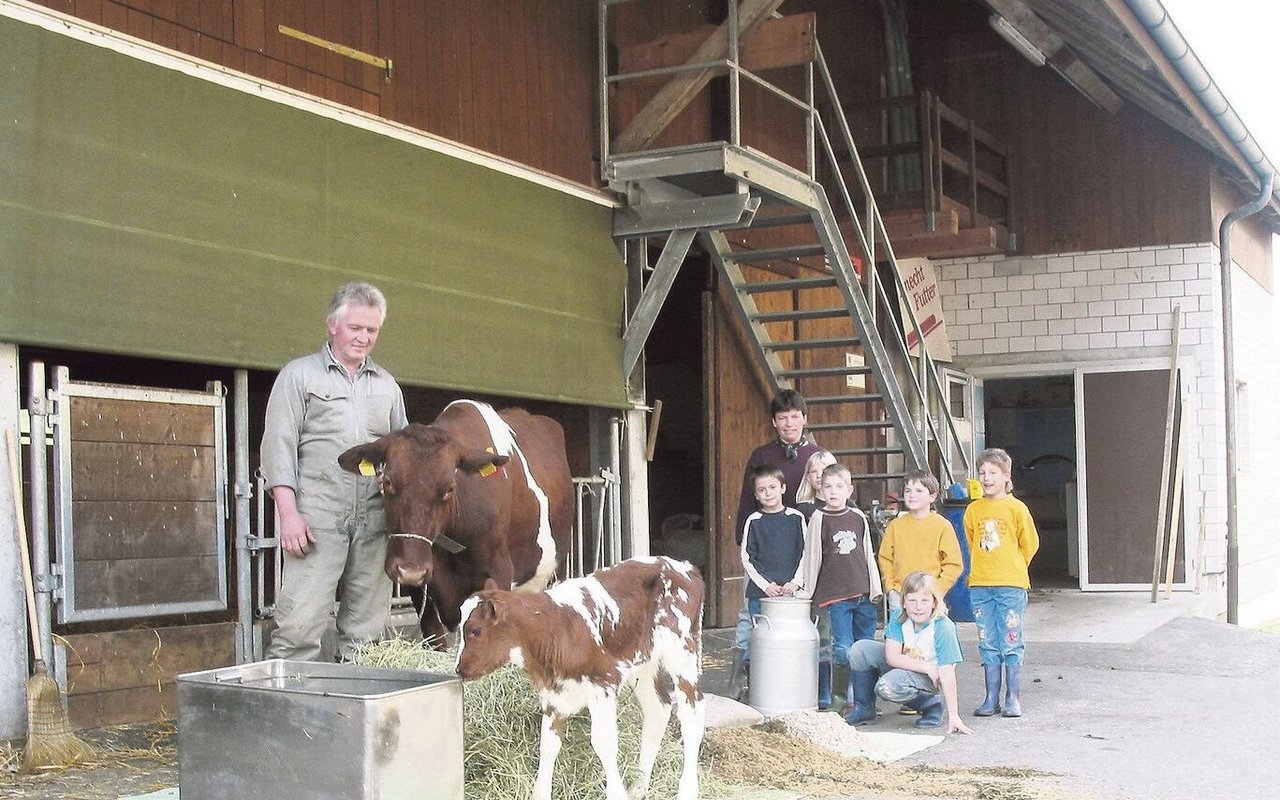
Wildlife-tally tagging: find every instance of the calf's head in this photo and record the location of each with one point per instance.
(418, 470)
(487, 637)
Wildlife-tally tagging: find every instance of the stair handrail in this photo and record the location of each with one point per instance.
(876, 222)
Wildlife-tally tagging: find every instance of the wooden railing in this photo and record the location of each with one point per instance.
(950, 159)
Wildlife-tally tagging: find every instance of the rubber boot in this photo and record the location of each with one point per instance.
(930, 708)
(738, 675)
(1013, 690)
(862, 697)
(991, 705)
(824, 685)
(839, 686)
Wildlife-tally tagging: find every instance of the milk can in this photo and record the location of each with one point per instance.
(784, 657)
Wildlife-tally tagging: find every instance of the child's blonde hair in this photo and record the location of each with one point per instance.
(997, 456)
(921, 581)
(819, 460)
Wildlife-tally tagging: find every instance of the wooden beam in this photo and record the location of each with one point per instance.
(983, 241)
(789, 41)
(1058, 54)
(676, 95)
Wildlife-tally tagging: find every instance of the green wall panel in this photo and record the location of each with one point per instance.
(147, 212)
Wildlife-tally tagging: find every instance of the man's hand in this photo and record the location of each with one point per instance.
(789, 588)
(773, 590)
(295, 534)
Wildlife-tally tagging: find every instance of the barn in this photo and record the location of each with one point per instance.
(950, 224)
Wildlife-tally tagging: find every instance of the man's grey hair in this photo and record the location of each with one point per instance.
(356, 293)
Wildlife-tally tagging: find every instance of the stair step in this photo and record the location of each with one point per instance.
(824, 282)
(869, 424)
(823, 372)
(867, 451)
(813, 344)
(778, 253)
(797, 314)
(779, 220)
(842, 398)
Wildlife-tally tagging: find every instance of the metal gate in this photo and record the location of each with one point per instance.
(139, 500)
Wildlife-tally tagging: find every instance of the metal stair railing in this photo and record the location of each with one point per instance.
(889, 359)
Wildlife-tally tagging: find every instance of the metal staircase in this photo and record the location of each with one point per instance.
(819, 314)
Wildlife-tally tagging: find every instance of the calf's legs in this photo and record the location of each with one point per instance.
(549, 749)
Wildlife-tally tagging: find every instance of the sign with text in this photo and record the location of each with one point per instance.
(923, 298)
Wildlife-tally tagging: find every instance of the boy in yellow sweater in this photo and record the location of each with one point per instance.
(1002, 541)
(921, 539)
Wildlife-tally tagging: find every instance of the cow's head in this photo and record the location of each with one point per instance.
(487, 638)
(418, 469)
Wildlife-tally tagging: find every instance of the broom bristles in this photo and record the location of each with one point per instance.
(50, 740)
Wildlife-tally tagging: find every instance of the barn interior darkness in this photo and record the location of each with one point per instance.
(674, 375)
(1034, 420)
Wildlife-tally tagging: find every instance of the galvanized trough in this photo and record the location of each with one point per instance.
(302, 730)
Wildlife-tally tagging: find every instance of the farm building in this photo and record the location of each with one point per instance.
(951, 224)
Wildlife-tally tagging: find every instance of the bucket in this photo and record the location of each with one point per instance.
(784, 657)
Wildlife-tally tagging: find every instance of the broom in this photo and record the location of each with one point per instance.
(50, 742)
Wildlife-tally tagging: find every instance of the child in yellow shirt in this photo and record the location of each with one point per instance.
(1002, 541)
(922, 539)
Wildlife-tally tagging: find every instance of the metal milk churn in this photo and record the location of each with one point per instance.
(784, 657)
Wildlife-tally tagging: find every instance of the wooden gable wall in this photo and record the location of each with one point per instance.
(1082, 179)
(518, 85)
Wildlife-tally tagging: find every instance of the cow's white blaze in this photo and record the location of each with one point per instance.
(504, 442)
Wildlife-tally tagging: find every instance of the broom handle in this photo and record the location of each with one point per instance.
(33, 624)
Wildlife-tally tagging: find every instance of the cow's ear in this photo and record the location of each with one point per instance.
(490, 584)
(481, 462)
(365, 459)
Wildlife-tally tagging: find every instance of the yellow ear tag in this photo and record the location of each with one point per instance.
(488, 469)
(366, 468)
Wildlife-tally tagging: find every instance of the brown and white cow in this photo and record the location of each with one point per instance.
(477, 494)
(581, 640)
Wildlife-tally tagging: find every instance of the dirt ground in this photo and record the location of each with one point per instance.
(131, 760)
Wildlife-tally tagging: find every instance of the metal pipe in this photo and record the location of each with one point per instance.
(243, 493)
(38, 411)
(1229, 389)
(614, 504)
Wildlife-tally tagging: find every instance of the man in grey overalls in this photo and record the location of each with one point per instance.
(331, 521)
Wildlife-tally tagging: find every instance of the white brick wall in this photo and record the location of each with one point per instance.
(1117, 305)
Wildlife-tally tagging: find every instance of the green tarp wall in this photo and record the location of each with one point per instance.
(147, 212)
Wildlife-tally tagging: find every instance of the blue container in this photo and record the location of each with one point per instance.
(959, 607)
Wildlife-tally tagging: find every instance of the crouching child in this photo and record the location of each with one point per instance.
(915, 664)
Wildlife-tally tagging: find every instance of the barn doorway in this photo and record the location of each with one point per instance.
(1034, 419)
(674, 376)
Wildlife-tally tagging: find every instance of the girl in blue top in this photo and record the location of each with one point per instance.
(915, 664)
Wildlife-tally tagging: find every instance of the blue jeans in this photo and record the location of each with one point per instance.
(746, 621)
(998, 610)
(894, 685)
(851, 621)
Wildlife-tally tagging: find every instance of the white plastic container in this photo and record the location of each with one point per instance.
(784, 657)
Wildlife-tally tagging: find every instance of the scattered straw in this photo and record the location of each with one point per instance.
(501, 732)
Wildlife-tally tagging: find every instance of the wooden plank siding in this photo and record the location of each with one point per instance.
(518, 85)
(119, 677)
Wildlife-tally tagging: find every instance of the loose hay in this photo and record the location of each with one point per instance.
(501, 734)
(502, 729)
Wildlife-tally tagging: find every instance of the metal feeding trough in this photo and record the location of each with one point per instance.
(302, 730)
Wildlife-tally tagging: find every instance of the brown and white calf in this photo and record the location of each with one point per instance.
(582, 640)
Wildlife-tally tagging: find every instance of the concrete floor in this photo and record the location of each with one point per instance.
(1122, 699)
